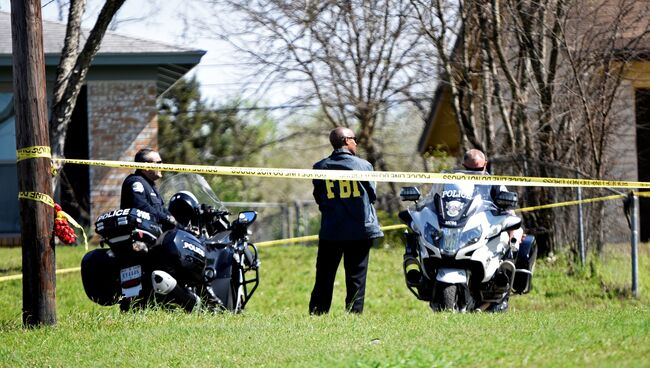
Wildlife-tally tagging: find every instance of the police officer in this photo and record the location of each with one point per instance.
(475, 160)
(349, 225)
(139, 190)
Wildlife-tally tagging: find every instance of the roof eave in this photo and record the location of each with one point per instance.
(152, 58)
(170, 67)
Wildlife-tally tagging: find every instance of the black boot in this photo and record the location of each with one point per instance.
(499, 307)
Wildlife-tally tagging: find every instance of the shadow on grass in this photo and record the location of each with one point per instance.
(12, 325)
(11, 270)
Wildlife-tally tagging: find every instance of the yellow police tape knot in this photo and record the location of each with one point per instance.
(36, 196)
(33, 152)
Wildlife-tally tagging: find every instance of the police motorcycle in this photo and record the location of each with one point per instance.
(459, 255)
(205, 263)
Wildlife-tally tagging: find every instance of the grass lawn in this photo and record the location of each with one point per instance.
(573, 317)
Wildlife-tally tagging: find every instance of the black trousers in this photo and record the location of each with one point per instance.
(355, 256)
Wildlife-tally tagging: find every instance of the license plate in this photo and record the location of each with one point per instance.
(131, 280)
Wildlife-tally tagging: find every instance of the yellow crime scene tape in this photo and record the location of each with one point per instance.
(309, 238)
(44, 152)
(20, 276)
(378, 176)
(33, 152)
(570, 203)
(36, 196)
(44, 198)
(29, 153)
(575, 202)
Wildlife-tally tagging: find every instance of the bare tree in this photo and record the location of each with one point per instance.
(537, 81)
(356, 59)
(73, 67)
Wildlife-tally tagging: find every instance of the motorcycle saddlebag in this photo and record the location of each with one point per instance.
(117, 226)
(524, 264)
(100, 275)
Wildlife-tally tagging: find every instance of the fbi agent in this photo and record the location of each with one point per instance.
(349, 225)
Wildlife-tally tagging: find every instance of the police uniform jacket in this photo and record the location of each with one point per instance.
(141, 193)
(346, 206)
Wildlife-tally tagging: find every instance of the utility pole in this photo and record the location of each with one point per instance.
(33, 164)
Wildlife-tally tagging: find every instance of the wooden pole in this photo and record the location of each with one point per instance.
(634, 226)
(34, 174)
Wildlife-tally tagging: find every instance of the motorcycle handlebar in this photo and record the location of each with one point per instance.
(207, 209)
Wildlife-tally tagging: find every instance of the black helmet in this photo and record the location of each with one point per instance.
(184, 207)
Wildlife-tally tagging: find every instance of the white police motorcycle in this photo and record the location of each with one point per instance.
(459, 255)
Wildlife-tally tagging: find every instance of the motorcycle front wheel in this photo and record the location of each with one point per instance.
(450, 297)
(445, 298)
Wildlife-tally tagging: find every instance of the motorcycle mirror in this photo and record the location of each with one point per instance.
(406, 218)
(506, 200)
(247, 217)
(409, 194)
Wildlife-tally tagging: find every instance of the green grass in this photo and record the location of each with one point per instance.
(573, 317)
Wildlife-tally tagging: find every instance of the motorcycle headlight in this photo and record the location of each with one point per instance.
(431, 234)
(450, 241)
(454, 239)
(471, 236)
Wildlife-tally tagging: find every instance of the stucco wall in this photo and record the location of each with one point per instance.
(122, 119)
(622, 152)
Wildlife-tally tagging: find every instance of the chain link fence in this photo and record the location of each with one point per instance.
(280, 220)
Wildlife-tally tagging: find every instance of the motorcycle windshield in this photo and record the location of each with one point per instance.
(455, 199)
(456, 202)
(196, 184)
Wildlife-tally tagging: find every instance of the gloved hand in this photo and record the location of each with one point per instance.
(168, 223)
(207, 208)
(171, 220)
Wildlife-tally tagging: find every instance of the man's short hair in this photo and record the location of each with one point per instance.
(338, 135)
(336, 138)
(141, 155)
(475, 160)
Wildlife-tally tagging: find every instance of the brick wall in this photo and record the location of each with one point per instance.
(122, 119)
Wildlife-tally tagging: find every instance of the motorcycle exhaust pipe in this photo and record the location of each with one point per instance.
(165, 284)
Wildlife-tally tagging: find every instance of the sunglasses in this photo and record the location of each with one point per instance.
(355, 139)
(155, 162)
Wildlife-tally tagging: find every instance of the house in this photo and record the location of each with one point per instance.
(115, 116)
(621, 27)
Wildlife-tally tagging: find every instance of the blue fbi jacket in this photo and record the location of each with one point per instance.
(346, 206)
